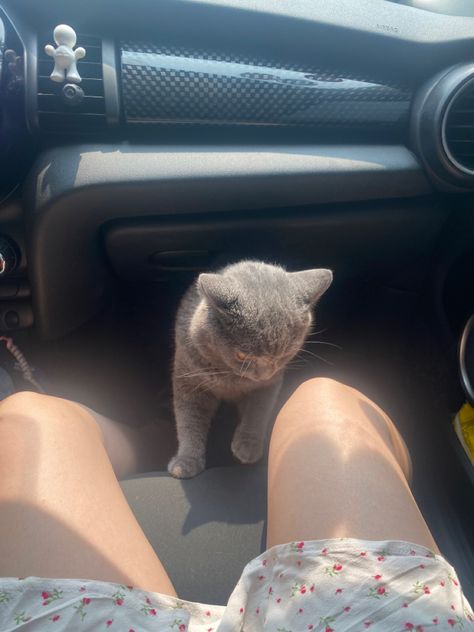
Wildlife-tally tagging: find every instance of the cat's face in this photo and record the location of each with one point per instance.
(259, 315)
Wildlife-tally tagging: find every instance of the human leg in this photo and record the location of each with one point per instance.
(63, 513)
(339, 468)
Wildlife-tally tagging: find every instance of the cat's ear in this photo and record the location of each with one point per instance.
(310, 285)
(218, 290)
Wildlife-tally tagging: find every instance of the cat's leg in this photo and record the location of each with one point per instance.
(193, 413)
(256, 411)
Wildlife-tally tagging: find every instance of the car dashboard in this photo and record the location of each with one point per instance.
(213, 108)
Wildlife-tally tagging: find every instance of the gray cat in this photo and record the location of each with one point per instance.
(235, 333)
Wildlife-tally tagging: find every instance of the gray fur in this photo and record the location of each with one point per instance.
(250, 307)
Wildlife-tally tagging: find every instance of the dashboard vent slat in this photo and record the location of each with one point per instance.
(54, 115)
(458, 128)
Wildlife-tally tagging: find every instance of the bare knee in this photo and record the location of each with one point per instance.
(326, 405)
(45, 409)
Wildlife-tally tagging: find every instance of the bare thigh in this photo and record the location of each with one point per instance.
(339, 468)
(63, 513)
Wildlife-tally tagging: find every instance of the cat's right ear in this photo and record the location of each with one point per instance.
(218, 291)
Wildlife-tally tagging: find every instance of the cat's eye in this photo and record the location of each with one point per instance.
(240, 355)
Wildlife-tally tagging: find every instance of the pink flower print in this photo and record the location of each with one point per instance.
(109, 623)
(279, 600)
(311, 590)
(55, 618)
(381, 558)
(118, 597)
(261, 577)
(409, 626)
(453, 579)
(405, 605)
(421, 589)
(49, 597)
(421, 566)
(209, 629)
(297, 547)
(453, 607)
(131, 630)
(270, 591)
(363, 553)
(367, 624)
(436, 620)
(378, 592)
(82, 589)
(347, 609)
(208, 614)
(338, 591)
(129, 587)
(257, 611)
(80, 607)
(452, 622)
(300, 610)
(310, 626)
(378, 577)
(334, 570)
(442, 583)
(281, 575)
(324, 551)
(326, 621)
(148, 609)
(241, 611)
(298, 588)
(264, 562)
(420, 628)
(182, 627)
(412, 552)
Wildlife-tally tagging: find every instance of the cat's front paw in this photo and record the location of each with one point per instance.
(185, 466)
(247, 450)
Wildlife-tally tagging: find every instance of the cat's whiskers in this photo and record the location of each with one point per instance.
(316, 333)
(202, 374)
(249, 364)
(322, 342)
(315, 355)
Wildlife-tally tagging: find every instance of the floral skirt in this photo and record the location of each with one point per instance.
(325, 585)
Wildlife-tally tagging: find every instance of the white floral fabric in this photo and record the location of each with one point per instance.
(330, 586)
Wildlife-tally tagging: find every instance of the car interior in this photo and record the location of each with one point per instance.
(195, 133)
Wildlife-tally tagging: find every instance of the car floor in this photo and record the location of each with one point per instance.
(390, 348)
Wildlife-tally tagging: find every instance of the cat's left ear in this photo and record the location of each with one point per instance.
(311, 284)
(219, 291)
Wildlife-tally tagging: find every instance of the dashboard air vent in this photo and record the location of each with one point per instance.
(458, 128)
(54, 113)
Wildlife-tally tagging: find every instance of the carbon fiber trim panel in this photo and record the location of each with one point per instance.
(163, 84)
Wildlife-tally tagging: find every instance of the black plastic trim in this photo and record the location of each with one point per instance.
(72, 191)
(111, 87)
